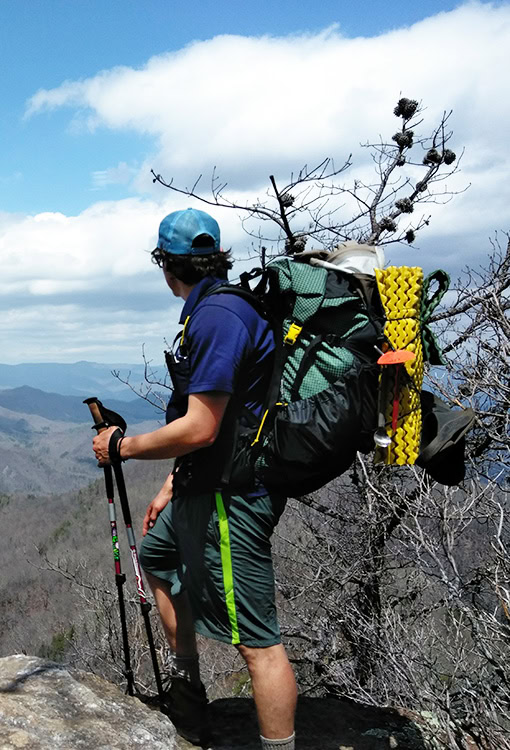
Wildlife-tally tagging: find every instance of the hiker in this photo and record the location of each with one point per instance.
(207, 553)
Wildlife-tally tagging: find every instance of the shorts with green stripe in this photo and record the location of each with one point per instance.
(217, 548)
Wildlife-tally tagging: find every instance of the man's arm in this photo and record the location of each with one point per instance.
(198, 428)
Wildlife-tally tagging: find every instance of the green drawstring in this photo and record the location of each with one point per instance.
(431, 350)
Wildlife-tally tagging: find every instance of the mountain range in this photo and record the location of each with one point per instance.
(45, 434)
(55, 407)
(83, 379)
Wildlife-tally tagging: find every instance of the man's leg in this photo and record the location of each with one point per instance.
(177, 621)
(274, 689)
(186, 699)
(175, 613)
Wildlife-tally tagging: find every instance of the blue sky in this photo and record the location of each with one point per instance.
(93, 94)
(45, 165)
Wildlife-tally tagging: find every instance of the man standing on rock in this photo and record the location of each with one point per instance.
(206, 550)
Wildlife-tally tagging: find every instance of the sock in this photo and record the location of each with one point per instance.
(285, 744)
(186, 667)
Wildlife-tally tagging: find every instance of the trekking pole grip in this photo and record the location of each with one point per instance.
(99, 423)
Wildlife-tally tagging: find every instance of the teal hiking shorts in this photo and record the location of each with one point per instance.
(217, 548)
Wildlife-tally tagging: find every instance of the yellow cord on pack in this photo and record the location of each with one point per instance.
(261, 425)
(400, 290)
(184, 330)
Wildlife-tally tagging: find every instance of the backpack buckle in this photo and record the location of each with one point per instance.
(292, 334)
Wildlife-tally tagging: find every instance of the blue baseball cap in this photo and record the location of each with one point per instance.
(181, 229)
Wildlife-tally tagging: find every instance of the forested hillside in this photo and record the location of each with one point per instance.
(45, 439)
(37, 607)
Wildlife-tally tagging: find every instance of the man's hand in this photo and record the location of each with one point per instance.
(156, 506)
(100, 446)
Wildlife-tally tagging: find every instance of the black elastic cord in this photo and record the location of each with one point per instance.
(114, 446)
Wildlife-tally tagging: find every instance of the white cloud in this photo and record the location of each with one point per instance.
(122, 174)
(72, 332)
(260, 106)
(106, 245)
(108, 239)
(255, 106)
(237, 100)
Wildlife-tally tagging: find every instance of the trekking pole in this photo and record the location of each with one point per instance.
(104, 418)
(120, 579)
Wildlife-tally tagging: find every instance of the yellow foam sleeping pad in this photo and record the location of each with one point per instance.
(400, 289)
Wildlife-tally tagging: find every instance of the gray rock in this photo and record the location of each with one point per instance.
(43, 707)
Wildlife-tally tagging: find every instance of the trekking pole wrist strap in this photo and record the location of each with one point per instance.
(114, 446)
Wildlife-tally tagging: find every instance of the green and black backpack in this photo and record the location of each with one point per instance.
(323, 400)
(321, 404)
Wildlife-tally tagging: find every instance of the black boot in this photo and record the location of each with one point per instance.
(186, 706)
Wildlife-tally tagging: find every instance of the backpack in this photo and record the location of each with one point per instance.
(320, 407)
(323, 400)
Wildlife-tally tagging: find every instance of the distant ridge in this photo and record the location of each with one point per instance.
(82, 379)
(58, 408)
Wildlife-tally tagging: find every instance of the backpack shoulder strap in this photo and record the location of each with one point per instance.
(240, 291)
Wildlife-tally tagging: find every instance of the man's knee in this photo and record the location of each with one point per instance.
(262, 657)
(153, 581)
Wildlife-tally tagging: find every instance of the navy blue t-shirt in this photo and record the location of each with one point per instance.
(228, 344)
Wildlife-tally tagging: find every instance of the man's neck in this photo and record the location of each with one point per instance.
(183, 290)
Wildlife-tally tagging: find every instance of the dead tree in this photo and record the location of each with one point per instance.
(315, 205)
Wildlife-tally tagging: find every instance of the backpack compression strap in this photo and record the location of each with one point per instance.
(431, 350)
(309, 288)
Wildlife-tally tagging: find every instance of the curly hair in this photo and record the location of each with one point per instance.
(190, 269)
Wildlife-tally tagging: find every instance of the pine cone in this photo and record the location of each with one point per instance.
(297, 246)
(406, 108)
(387, 224)
(432, 157)
(403, 139)
(405, 205)
(287, 200)
(449, 156)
